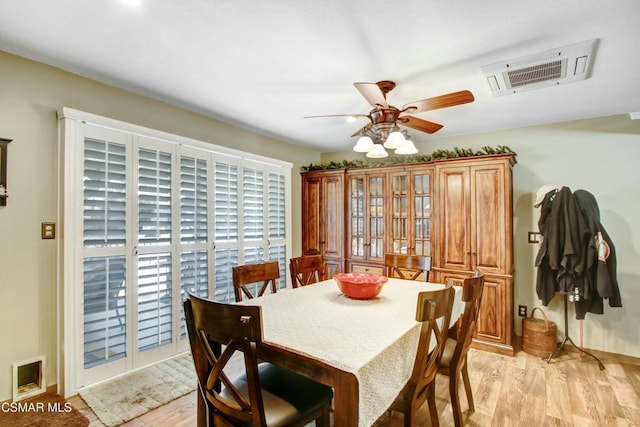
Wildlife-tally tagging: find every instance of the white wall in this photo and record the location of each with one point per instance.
(599, 155)
(30, 95)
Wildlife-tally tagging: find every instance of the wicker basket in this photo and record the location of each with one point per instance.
(539, 336)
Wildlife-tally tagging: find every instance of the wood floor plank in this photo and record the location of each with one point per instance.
(511, 396)
(557, 392)
(517, 391)
(487, 393)
(533, 407)
(624, 392)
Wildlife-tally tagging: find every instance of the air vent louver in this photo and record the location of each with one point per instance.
(557, 66)
(537, 73)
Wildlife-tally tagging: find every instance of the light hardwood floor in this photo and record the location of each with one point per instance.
(508, 391)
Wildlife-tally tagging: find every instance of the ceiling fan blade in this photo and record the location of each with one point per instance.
(337, 115)
(372, 93)
(419, 124)
(442, 101)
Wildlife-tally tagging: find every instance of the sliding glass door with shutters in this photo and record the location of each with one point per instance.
(146, 221)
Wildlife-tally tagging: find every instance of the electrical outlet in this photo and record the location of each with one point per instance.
(522, 310)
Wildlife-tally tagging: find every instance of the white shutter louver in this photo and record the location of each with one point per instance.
(154, 197)
(194, 278)
(104, 194)
(193, 200)
(226, 202)
(154, 301)
(104, 310)
(253, 204)
(276, 205)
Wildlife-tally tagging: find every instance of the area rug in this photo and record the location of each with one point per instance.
(134, 394)
(47, 410)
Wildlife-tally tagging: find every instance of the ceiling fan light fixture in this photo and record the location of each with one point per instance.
(363, 145)
(378, 152)
(407, 148)
(394, 140)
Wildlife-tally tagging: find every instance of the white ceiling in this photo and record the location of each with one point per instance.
(264, 65)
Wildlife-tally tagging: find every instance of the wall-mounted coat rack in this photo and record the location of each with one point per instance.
(3, 171)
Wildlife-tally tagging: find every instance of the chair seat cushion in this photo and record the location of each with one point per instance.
(286, 395)
(447, 352)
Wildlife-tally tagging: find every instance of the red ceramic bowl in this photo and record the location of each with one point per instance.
(360, 285)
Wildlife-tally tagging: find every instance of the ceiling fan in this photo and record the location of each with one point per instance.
(385, 119)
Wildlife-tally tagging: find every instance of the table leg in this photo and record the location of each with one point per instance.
(345, 400)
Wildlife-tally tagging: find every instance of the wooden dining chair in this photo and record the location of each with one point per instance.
(433, 311)
(265, 395)
(453, 362)
(306, 270)
(245, 275)
(412, 267)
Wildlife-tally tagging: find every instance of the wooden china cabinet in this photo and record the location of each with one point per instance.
(457, 211)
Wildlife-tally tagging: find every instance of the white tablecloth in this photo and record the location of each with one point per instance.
(374, 339)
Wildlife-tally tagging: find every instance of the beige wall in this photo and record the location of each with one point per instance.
(600, 156)
(30, 95)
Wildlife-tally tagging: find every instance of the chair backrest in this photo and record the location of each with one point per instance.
(265, 272)
(434, 312)
(412, 267)
(216, 332)
(472, 290)
(306, 270)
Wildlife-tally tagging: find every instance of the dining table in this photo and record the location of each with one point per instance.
(363, 349)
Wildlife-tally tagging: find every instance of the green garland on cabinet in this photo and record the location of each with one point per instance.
(406, 160)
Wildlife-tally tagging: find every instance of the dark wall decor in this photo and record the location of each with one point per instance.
(3, 171)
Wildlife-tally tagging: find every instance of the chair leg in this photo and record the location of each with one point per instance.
(455, 400)
(431, 400)
(467, 386)
(324, 419)
(409, 416)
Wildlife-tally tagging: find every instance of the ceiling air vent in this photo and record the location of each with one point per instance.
(558, 66)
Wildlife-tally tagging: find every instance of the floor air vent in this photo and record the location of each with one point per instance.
(558, 66)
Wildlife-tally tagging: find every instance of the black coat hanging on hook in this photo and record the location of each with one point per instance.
(576, 256)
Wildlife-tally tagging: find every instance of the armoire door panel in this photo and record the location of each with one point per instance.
(490, 323)
(311, 214)
(454, 226)
(488, 216)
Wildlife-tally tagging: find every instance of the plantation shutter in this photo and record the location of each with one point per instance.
(226, 229)
(147, 217)
(194, 276)
(154, 240)
(276, 220)
(253, 215)
(104, 239)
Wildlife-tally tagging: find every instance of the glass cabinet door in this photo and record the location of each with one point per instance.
(421, 213)
(410, 224)
(376, 219)
(357, 215)
(399, 214)
(366, 216)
